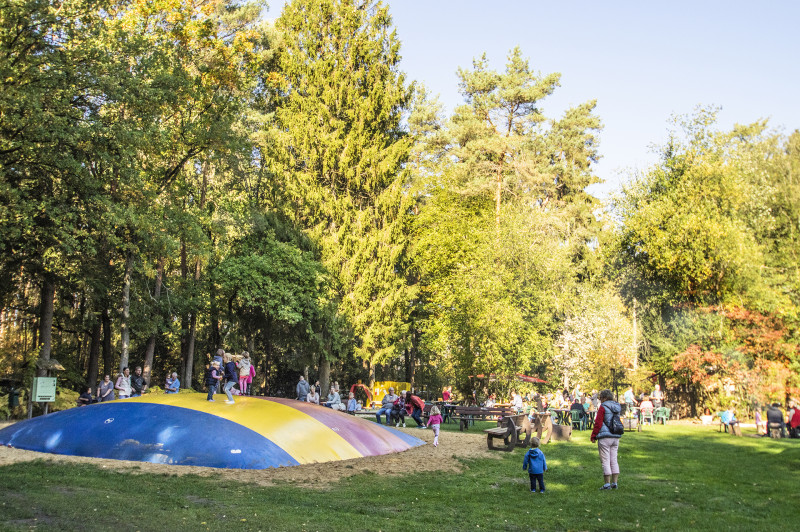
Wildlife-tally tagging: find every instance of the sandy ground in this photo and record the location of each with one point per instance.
(452, 446)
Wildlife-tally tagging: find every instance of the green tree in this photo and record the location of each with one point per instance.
(337, 141)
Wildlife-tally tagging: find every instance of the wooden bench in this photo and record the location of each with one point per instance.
(469, 414)
(510, 429)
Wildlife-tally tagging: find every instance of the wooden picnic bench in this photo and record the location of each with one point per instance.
(469, 414)
(510, 429)
(517, 430)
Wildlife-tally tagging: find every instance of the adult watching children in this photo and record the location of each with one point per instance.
(386, 406)
(607, 442)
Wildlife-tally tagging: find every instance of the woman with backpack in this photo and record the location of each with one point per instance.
(607, 431)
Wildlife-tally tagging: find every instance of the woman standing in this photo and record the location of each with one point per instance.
(106, 390)
(123, 384)
(607, 442)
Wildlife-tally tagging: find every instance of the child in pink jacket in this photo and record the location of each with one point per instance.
(434, 421)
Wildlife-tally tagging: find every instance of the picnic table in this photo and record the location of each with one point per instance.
(563, 416)
(467, 415)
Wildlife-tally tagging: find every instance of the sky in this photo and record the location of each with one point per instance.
(643, 61)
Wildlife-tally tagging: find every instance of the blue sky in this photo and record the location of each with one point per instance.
(643, 61)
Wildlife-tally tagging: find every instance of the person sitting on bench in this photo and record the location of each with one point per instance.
(775, 419)
(728, 417)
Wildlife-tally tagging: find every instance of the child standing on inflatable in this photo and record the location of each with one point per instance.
(434, 421)
(250, 378)
(231, 376)
(212, 380)
(244, 372)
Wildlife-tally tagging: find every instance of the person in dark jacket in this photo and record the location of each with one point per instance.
(775, 419)
(138, 386)
(535, 464)
(231, 376)
(302, 389)
(607, 443)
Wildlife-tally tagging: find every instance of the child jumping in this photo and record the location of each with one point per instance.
(535, 464)
(434, 421)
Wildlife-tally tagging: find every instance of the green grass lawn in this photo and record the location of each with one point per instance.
(673, 477)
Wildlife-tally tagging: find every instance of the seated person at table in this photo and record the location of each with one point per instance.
(646, 404)
(587, 403)
(578, 407)
(491, 401)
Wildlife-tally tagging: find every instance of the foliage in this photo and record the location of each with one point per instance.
(595, 338)
(698, 248)
(338, 144)
(502, 225)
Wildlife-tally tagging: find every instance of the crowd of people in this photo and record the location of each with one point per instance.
(124, 386)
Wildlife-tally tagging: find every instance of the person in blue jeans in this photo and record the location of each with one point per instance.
(386, 405)
(535, 464)
(213, 380)
(231, 376)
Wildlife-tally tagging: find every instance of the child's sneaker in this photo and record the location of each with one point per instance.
(404, 425)
(614, 486)
(606, 487)
(541, 491)
(211, 401)
(230, 402)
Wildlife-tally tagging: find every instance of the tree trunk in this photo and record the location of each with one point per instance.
(498, 195)
(46, 309)
(371, 375)
(324, 376)
(126, 312)
(189, 361)
(94, 355)
(151, 342)
(108, 354)
(216, 340)
(184, 319)
(46, 322)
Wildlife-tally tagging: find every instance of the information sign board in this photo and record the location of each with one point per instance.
(44, 389)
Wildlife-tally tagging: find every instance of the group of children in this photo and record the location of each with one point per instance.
(239, 372)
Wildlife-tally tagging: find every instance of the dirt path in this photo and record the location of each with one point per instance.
(452, 445)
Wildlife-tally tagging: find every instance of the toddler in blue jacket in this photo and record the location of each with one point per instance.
(535, 464)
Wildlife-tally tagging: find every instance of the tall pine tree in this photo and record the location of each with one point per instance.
(339, 143)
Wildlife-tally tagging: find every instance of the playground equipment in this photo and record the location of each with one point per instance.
(381, 388)
(185, 429)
